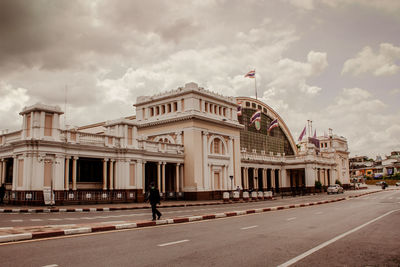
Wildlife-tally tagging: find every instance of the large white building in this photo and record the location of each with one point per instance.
(189, 141)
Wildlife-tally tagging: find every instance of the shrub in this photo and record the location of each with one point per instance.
(338, 182)
(318, 185)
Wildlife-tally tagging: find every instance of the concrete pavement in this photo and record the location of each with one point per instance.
(258, 239)
(8, 234)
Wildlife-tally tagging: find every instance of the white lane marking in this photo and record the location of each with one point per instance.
(17, 220)
(311, 251)
(36, 220)
(248, 227)
(173, 243)
(51, 265)
(291, 219)
(54, 219)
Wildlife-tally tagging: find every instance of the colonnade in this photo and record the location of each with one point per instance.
(264, 177)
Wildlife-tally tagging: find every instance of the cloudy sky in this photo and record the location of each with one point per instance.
(335, 62)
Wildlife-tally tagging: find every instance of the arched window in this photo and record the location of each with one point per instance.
(217, 147)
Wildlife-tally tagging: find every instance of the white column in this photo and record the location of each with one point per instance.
(230, 153)
(112, 174)
(163, 177)
(105, 174)
(66, 174)
(283, 178)
(246, 178)
(206, 182)
(58, 171)
(177, 177)
(74, 160)
(273, 178)
(159, 175)
(144, 175)
(255, 181)
(15, 173)
(1, 171)
(181, 177)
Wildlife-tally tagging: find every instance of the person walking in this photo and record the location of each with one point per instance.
(2, 193)
(154, 199)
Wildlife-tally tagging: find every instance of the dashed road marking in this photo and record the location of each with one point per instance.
(51, 265)
(291, 219)
(17, 220)
(173, 243)
(36, 220)
(248, 227)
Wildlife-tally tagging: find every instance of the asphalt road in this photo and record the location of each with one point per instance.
(358, 232)
(63, 218)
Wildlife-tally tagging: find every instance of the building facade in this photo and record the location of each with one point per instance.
(192, 143)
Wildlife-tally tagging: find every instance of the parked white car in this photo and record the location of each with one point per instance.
(335, 188)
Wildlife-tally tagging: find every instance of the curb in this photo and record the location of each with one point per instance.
(53, 210)
(130, 225)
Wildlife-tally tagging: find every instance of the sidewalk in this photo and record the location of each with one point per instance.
(103, 207)
(8, 234)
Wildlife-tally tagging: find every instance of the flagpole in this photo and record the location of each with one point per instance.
(255, 83)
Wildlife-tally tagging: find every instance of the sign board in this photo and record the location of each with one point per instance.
(48, 196)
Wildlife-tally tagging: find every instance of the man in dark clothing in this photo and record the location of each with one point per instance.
(2, 193)
(154, 199)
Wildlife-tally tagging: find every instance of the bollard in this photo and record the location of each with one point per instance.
(260, 195)
(225, 196)
(236, 196)
(254, 195)
(246, 196)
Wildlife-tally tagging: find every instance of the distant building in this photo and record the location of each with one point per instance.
(378, 168)
(190, 142)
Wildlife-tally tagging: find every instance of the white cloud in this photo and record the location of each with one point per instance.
(303, 4)
(379, 64)
(11, 103)
(364, 120)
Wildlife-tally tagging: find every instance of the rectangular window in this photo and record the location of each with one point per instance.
(28, 125)
(130, 130)
(216, 180)
(48, 124)
(247, 104)
(253, 105)
(169, 108)
(73, 136)
(216, 146)
(47, 173)
(175, 106)
(206, 107)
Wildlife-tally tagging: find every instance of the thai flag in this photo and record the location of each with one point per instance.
(239, 109)
(251, 74)
(303, 133)
(256, 117)
(273, 124)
